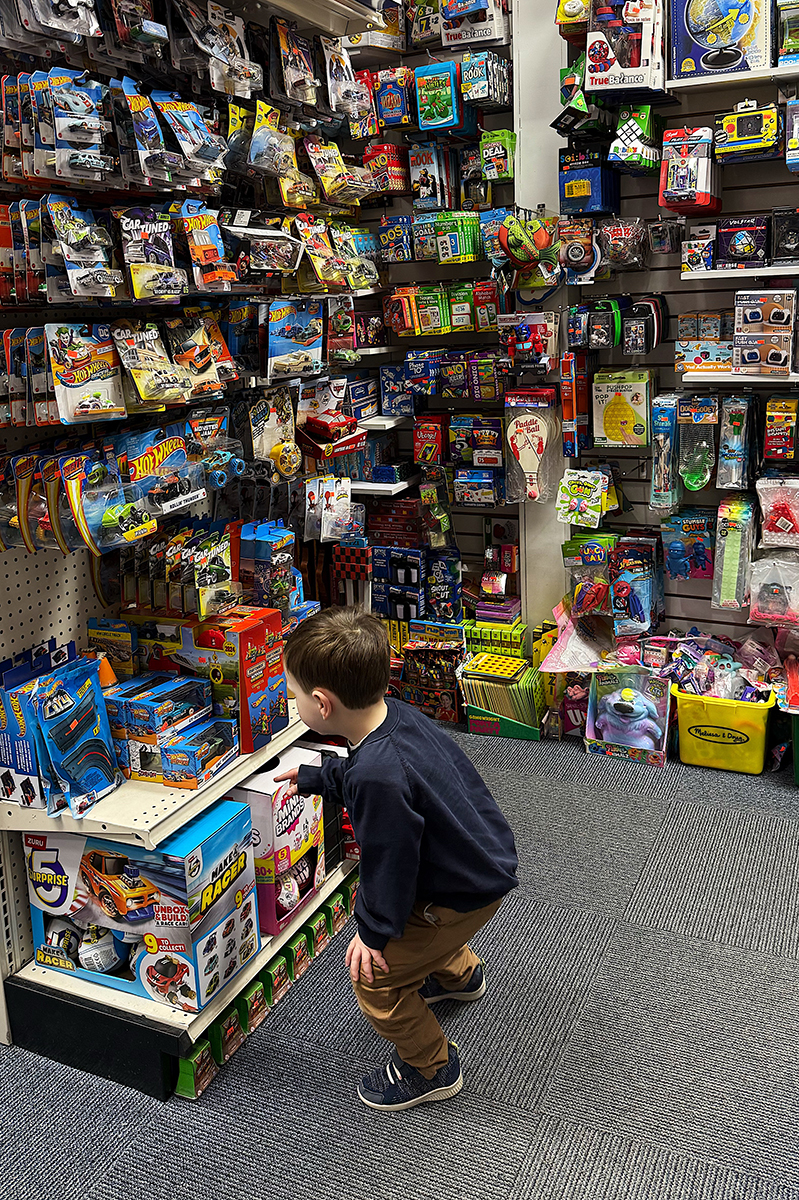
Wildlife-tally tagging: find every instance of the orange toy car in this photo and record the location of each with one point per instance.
(122, 892)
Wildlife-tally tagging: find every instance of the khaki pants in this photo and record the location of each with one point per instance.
(392, 1004)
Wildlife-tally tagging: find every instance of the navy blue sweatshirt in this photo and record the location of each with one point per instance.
(430, 831)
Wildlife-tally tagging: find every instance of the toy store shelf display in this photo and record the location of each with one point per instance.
(158, 1009)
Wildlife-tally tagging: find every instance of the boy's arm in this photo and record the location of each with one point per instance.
(327, 780)
(389, 832)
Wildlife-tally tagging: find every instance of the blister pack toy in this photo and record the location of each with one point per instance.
(774, 588)
(70, 709)
(664, 489)
(149, 255)
(86, 371)
(201, 149)
(579, 498)
(295, 338)
(106, 514)
(749, 133)
(779, 505)
(84, 246)
(733, 465)
(688, 543)
(735, 532)
(621, 408)
(690, 180)
(143, 355)
(532, 435)
(632, 589)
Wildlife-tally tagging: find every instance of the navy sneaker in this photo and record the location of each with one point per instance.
(432, 992)
(398, 1085)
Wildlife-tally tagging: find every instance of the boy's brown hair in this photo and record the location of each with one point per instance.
(344, 650)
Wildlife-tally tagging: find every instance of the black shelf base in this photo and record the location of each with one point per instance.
(121, 1047)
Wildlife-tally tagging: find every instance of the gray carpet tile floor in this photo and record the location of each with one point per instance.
(638, 1042)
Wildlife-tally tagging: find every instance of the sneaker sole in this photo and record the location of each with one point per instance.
(461, 997)
(439, 1094)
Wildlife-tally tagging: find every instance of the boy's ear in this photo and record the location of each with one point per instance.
(323, 700)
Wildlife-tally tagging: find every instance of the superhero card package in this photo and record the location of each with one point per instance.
(166, 924)
(86, 372)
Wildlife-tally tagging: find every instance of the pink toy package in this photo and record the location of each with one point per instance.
(288, 837)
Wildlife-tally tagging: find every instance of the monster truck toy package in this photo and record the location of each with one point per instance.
(172, 925)
(289, 836)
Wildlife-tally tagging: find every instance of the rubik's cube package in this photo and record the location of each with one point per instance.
(742, 242)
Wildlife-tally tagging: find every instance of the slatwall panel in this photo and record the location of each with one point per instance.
(748, 188)
(467, 522)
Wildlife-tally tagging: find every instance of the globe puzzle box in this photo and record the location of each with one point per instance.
(716, 37)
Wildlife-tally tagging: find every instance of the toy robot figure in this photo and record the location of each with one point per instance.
(678, 560)
(627, 718)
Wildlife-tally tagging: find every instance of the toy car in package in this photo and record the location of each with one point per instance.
(295, 55)
(84, 245)
(149, 255)
(200, 147)
(347, 93)
(143, 355)
(210, 317)
(107, 515)
(271, 151)
(86, 371)
(159, 469)
(79, 127)
(265, 244)
(72, 716)
(212, 272)
(341, 184)
(190, 347)
(143, 152)
(295, 338)
(135, 27)
(231, 70)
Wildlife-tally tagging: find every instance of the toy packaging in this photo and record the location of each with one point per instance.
(621, 408)
(742, 242)
(688, 543)
(712, 37)
(735, 533)
(625, 46)
(165, 924)
(290, 862)
(749, 133)
(628, 716)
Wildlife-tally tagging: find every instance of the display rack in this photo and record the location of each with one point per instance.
(137, 1041)
(145, 814)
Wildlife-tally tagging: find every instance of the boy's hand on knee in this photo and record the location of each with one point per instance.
(292, 776)
(360, 958)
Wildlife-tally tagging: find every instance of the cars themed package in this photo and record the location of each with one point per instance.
(165, 908)
(295, 338)
(149, 255)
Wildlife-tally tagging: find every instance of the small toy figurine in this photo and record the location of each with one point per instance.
(678, 560)
(627, 718)
(700, 556)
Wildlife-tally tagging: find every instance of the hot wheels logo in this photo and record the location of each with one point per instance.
(149, 462)
(81, 375)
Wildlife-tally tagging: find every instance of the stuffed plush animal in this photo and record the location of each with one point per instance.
(627, 718)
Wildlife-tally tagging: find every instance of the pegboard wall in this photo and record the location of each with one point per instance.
(748, 188)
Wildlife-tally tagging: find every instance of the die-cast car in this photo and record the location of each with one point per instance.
(330, 427)
(197, 358)
(166, 976)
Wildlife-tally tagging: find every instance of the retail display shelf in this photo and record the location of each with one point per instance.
(194, 1024)
(709, 83)
(145, 814)
(364, 488)
(741, 272)
(383, 422)
(369, 350)
(743, 381)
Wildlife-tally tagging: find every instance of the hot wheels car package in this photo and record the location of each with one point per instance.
(71, 712)
(143, 355)
(201, 148)
(149, 255)
(106, 514)
(164, 912)
(84, 245)
(86, 373)
(79, 127)
(192, 758)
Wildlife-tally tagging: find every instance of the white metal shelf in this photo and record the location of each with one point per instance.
(739, 272)
(194, 1024)
(383, 422)
(146, 814)
(709, 83)
(365, 488)
(726, 377)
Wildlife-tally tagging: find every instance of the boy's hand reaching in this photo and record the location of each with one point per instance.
(360, 958)
(292, 776)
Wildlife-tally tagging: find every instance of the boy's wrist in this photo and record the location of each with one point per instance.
(375, 941)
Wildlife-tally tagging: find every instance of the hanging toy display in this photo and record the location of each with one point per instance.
(697, 456)
(623, 242)
(531, 244)
(532, 435)
(664, 489)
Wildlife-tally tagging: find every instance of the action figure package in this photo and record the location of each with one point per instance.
(689, 540)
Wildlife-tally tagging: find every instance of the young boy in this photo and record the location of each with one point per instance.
(437, 856)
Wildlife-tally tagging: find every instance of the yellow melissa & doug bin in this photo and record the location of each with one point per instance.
(728, 734)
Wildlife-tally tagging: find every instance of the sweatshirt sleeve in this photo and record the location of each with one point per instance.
(327, 780)
(389, 832)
